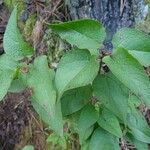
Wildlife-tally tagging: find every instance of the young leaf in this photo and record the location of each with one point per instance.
(132, 39)
(85, 34)
(102, 140)
(121, 63)
(134, 101)
(142, 57)
(14, 44)
(8, 69)
(112, 93)
(44, 94)
(17, 85)
(77, 68)
(87, 119)
(110, 123)
(56, 140)
(28, 147)
(74, 100)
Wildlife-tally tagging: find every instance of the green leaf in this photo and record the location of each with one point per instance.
(85, 34)
(56, 140)
(142, 57)
(110, 123)
(142, 135)
(6, 78)
(8, 69)
(85, 146)
(55, 122)
(74, 100)
(112, 93)
(87, 134)
(132, 39)
(102, 140)
(73, 121)
(137, 42)
(40, 80)
(14, 44)
(88, 118)
(7, 63)
(128, 70)
(134, 101)
(28, 147)
(76, 69)
(138, 125)
(17, 85)
(138, 144)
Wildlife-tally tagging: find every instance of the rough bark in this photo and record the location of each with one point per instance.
(113, 13)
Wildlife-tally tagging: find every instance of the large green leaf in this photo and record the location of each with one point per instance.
(74, 100)
(88, 118)
(77, 68)
(110, 123)
(102, 140)
(14, 44)
(132, 39)
(128, 70)
(138, 144)
(137, 42)
(138, 125)
(142, 57)
(112, 93)
(85, 34)
(8, 69)
(142, 135)
(44, 95)
(55, 122)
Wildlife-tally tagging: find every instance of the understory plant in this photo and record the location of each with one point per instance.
(81, 96)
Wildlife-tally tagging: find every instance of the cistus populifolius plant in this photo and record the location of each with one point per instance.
(100, 106)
